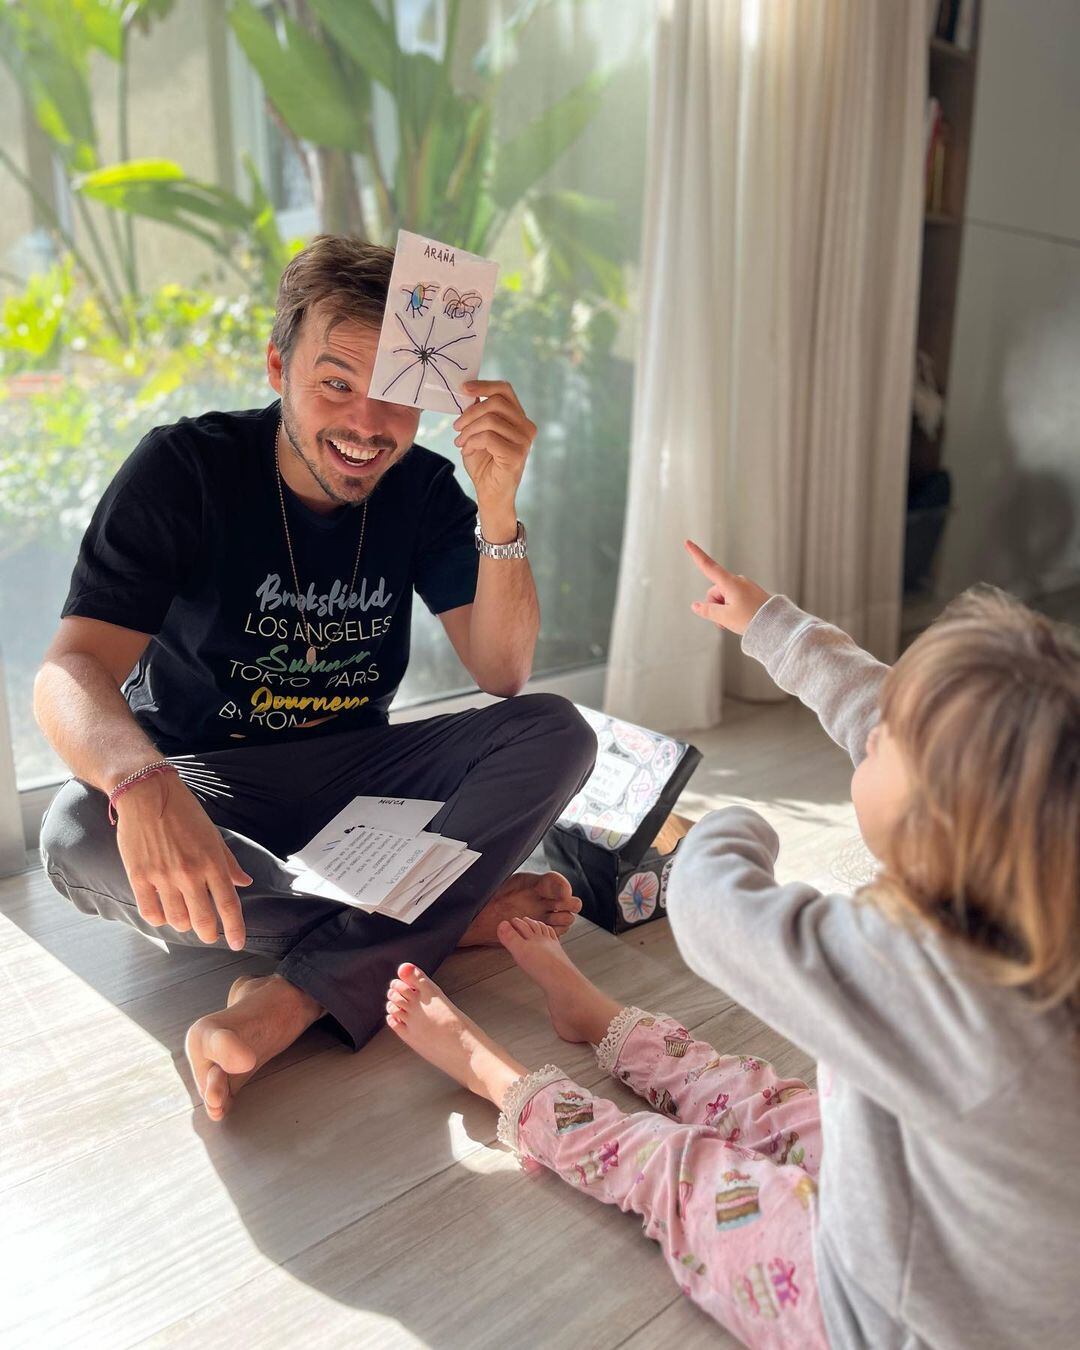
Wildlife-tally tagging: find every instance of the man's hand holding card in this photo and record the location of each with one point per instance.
(429, 355)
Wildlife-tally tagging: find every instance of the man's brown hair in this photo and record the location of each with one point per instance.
(341, 276)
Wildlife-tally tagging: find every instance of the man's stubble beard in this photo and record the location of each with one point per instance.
(313, 468)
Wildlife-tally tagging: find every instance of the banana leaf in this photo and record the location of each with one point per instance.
(501, 49)
(52, 74)
(522, 160)
(161, 190)
(363, 35)
(301, 79)
(576, 241)
(102, 24)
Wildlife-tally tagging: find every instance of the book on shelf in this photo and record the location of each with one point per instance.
(937, 139)
(933, 119)
(956, 22)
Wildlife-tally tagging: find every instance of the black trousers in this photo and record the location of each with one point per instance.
(505, 773)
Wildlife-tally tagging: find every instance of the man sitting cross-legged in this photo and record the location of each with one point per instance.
(243, 595)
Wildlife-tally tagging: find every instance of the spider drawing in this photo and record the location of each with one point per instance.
(420, 296)
(427, 355)
(461, 306)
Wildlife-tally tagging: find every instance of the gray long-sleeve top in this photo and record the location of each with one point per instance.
(949, 1206)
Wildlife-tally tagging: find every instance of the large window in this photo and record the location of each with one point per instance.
(161, 167)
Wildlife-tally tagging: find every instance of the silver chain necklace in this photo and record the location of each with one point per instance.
(312, 651)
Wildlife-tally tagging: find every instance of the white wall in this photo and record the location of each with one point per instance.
(1013, 430)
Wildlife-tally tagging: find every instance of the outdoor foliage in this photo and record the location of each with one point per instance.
(92, 355)
(441, 168)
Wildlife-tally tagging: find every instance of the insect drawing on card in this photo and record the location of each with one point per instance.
(427, 356)
(461, 305)
(420, 296)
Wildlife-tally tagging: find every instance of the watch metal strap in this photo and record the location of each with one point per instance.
(516, 549)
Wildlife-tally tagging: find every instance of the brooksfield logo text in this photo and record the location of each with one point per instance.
(337, 600)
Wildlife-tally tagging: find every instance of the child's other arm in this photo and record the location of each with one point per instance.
(882, 1008)
(806, 657)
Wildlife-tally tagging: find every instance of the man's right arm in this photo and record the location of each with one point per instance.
(179, 867)
(79, 706)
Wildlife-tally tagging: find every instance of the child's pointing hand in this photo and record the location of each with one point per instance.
(731, 601)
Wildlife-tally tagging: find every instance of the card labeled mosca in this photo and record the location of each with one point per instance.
(434, 325)
(617, 839)
(376, 855)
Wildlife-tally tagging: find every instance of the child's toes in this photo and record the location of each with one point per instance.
(408, 973)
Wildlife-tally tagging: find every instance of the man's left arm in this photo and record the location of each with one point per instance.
(495, 636)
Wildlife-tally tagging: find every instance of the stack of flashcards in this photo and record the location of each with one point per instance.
(376, 855)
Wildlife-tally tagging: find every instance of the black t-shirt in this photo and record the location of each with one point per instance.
(188, 544)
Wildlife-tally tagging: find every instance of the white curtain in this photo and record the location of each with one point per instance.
(779, 290)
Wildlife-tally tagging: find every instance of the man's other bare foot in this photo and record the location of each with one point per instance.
(578, 1010)
(546, 896)
(265, 1014)
(423, 1017)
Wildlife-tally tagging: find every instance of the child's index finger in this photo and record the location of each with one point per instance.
(706, 564)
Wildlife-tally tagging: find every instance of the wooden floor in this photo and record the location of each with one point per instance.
(349, 1200)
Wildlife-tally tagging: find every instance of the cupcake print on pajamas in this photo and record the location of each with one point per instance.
(662, 1100)
(572, 1110)
(737, 1203)
(676, 1042)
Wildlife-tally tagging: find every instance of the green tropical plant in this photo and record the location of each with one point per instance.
(48, 45)
(444, 171)
(64, 440)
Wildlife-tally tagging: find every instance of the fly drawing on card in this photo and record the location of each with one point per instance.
(461, 306)
(420, 296)
(427, 355)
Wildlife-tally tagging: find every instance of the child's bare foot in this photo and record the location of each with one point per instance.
(578, 1010)
(539, 895)
(419, 1013)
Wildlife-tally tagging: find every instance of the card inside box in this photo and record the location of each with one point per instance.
(617, 839)
(672, 830)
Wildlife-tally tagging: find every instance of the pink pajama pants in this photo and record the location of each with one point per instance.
(721, 1169)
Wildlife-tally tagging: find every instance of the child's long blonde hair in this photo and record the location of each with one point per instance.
(985, 707)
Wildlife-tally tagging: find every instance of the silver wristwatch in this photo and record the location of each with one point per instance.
(516, 549)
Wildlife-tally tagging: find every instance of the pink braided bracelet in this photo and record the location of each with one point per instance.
(158, 766)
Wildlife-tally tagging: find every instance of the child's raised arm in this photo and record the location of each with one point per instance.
(806, 657)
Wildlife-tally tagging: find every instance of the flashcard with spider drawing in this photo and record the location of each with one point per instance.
(434, 325)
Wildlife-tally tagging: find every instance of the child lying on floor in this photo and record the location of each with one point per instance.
(928, 1194)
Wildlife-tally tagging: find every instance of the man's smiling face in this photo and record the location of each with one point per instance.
(340, 442)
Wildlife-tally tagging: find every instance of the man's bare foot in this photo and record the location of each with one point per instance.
(264, 1015)
(578, 1010)
(423, 1017)
(535, 895)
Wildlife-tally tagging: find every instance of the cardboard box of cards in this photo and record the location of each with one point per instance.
(617, 839)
